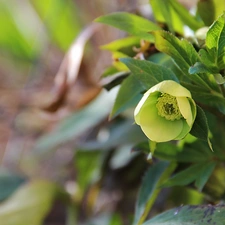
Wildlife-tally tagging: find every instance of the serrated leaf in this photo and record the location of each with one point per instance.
(149, 188)
(30, 202)
(181, 51)
(130, 23)
(210, 10)
(148, 73)
(215, 42)
(190, 215)
(129, 95)
(200, 127)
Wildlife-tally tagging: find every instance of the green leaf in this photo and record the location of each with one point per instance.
(215, 42)
(210, 10)
(199, 68)
(175, 15)
(9, 182)
(189, 175)
(193, 22)
(202, 68)
(119, 135)
(124, 45)
(87, 164)
(181, 51)
(204, 176)
(78, 123)
(200, 127)
(188, 153)
(150, 189)
(60, 19)
(110, 71)
(190, 215)
(148, 73)
(130, 23)
(164, 13)
(129, 95)
(30, 202)
(208, 97)
(113, 80)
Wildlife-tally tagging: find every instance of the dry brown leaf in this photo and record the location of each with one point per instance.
(68, 76)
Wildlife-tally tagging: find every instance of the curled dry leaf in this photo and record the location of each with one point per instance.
(69, 82)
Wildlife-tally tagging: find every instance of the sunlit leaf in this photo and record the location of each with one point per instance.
(174, 14)
(181, 51)
(215, 42)
(61, 20)
(130, 23)
(31, 202)
(124, 45)
(210, 10)
(193, 22)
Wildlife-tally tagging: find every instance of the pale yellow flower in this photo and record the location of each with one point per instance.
(166, 112)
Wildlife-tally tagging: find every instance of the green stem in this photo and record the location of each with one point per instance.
(156, 192)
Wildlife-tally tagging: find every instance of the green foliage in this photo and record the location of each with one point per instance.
(210, 10)
(112, 158)
(129, 95)
(174, 15)
(31, 202)
(130, 23)
(201, 215)
(199, 68)
(150, 189)
(148, 73)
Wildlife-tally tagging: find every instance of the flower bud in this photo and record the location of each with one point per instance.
(166, 112)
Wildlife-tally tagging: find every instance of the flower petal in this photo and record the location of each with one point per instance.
(185, 109)
(186, 129)
(171, 87)
(157, 128)
(146, 99)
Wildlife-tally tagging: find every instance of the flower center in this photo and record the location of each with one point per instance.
(168, 108)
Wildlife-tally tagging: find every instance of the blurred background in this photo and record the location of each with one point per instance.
(54, 114)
